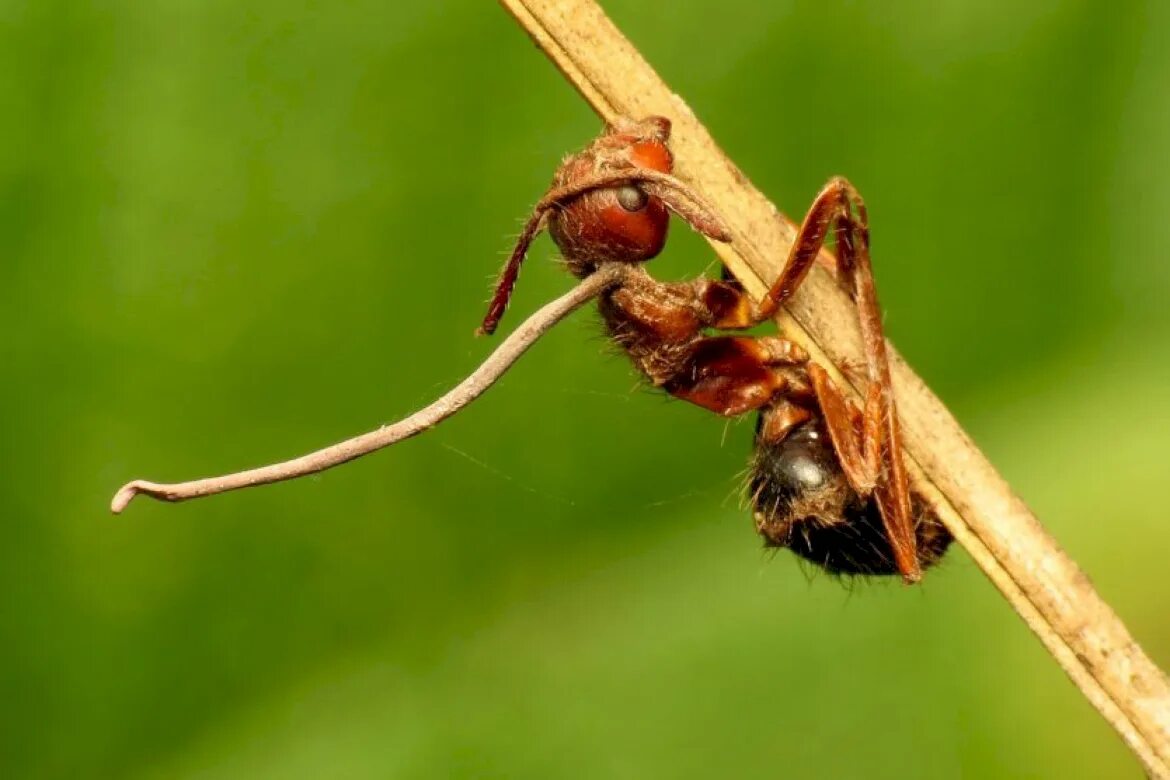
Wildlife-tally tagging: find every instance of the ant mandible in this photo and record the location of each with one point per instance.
(828, 479)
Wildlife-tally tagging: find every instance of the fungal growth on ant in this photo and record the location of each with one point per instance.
(828, 478)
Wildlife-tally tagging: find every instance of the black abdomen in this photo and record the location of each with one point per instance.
(802, 501)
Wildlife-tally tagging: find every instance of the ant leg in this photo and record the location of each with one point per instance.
(855, 435)
(868, 443)
(833, 204)
(731, 375)
(881, 417)
(778, 420)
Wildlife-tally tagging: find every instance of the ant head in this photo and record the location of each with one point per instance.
(610, 203)
(613, 221)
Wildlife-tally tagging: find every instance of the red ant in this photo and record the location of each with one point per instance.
(828, 479)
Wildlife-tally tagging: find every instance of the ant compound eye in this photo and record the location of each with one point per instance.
(631, 198)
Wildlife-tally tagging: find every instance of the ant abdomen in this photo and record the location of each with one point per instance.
(801, 500)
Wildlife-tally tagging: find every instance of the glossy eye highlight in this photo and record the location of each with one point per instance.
(632, 198)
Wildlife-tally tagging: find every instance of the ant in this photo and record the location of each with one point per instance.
(828, 479)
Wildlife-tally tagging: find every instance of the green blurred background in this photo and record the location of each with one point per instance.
(234, 231)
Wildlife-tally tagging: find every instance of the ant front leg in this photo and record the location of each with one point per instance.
(868, 443)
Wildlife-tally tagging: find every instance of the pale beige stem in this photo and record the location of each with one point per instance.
(1040, 581)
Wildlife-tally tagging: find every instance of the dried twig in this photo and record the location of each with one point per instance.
(462, 394)
(1041, 582)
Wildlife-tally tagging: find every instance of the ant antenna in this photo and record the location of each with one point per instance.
(511, 272)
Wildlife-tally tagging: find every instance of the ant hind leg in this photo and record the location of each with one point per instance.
(868, 443)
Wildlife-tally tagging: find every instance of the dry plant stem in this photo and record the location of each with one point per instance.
(1041, 582)
(462, 394)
